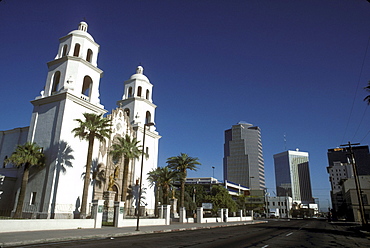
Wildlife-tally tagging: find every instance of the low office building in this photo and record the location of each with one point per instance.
(233, 188)
(279, 206)
(351, 199)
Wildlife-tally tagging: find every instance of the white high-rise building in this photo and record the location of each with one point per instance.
(292, 176)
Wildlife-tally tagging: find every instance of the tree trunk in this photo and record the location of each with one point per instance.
(156, 193)
(125, 180)
(165, 194)
(87, 178)
(22, 192)
(182, 192)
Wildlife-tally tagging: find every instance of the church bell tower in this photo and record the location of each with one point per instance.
(138, 105)
(71, 89)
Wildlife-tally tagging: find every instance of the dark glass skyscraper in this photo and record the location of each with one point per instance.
(361, 154)
(340, 168)
(243, 160)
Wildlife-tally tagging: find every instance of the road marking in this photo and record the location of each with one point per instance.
(265, 246)
(289, 234)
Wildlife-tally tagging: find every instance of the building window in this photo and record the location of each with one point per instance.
(33, 198)
(364, 199)
(89, 55)
(148, 117)
(87, 85)
(147, 95)
(129, 92)
(139, 91)
(56, 80)
(127, 112)
(64, 50)
(76, 52)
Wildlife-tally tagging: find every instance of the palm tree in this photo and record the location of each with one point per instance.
(28, 155)
(125, 149)
(367, 98)
(182, 163)
(163, 178)
(93, 127)
(97, 175)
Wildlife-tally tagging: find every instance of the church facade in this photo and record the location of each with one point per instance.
(72, 89)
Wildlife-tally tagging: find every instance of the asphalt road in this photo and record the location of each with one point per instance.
(294, 233)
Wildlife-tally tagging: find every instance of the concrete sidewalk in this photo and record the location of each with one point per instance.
(36, 237)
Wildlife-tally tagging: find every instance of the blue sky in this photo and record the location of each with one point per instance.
(294, 68)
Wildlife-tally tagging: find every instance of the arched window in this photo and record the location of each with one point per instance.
(148, 117)
(89, 55)
(147, 95)
(139, 91)
(64, 50)
(127, 112)
(56, 80)
(129, 92)
(76, 52)
(87, 85)
(115, 189)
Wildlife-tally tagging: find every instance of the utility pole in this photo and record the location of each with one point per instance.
(357, 182)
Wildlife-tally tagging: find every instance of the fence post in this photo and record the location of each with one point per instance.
(226, 214)
(119, 209)
(161, 212)
(199, 214)
(182, 215)
(221, 214)
(98, 213)
(167, 213)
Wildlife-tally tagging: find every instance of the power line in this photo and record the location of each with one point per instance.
(365, 136)
(358, 83)
(362, 118)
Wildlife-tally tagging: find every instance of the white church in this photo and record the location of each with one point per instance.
(71, 89)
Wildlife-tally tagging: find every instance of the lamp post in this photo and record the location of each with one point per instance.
(213, 168)
(141, 175)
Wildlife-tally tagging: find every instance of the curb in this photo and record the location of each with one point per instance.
(117, 235)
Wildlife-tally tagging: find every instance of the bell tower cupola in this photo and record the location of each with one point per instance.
(137, 98)
(74, 68)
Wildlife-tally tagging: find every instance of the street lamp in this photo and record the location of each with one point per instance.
(141, 175)
(213, 168)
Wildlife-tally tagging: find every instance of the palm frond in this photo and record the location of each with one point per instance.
(27, 154)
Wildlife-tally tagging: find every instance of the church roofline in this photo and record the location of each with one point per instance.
(65, 58)
(137, 79)
(62, 39)
(132, 99)
(69, 96)
(153, 134)
(14, 130)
